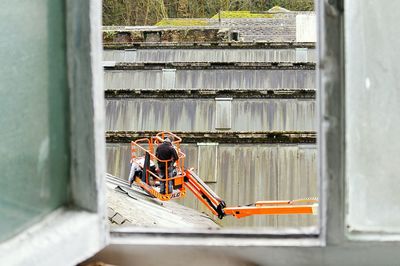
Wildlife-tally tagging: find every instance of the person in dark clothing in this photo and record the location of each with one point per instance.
(165, 151)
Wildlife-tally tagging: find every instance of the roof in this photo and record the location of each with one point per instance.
(275, 25)
(132, 206)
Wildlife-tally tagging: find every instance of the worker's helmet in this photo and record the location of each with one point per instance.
(168, 139)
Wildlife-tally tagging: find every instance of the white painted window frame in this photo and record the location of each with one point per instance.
(75, 232)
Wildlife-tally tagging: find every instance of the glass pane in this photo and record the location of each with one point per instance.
(372, 116)
(34, 104)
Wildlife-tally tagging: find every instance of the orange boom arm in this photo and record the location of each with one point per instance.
(217, 206)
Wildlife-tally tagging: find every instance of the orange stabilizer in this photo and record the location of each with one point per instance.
(240, 212)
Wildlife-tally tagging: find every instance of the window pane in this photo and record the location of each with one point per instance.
(372, 116)
(34, 104)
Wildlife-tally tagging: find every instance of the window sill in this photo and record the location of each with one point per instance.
(234, 238)
(368, 236)
(65, 237)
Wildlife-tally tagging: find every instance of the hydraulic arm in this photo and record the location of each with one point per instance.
(205, 194)
(218, 207)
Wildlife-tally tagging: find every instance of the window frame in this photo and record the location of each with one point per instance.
(75, 232)
(329, 76)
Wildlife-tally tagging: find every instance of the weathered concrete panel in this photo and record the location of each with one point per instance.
(301, 55)
(245, 174)
(168, 78)
(223, 113)
(133, 79)
(210, 79)
(207, 168)
(199, 114)
(306, 28)
(205, 55)
(274, 115)
(159, 114)
(118, 160)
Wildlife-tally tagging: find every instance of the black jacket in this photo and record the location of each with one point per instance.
(165, 151)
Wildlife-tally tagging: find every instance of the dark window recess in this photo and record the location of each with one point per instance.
(235, 36)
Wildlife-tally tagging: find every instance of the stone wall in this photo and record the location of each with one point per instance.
(156, 35)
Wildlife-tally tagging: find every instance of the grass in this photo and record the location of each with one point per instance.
(182, 22)
(242, 14)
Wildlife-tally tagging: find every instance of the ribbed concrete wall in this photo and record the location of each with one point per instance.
(243, 174)
(209, 79)
(200, 114)
(210, 55)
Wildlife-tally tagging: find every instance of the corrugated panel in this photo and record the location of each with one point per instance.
(199, 114)
(245, 174)
(210, 79)
(204, 55)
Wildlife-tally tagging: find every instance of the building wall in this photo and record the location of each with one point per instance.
(209, 79)
(211, 55)
(152, 78)
(201, 114)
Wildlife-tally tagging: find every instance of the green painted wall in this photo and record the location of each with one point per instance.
(34, 153)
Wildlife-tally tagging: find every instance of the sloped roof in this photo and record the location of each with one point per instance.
(131, 206)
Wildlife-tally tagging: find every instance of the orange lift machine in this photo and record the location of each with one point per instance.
(148, 178)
